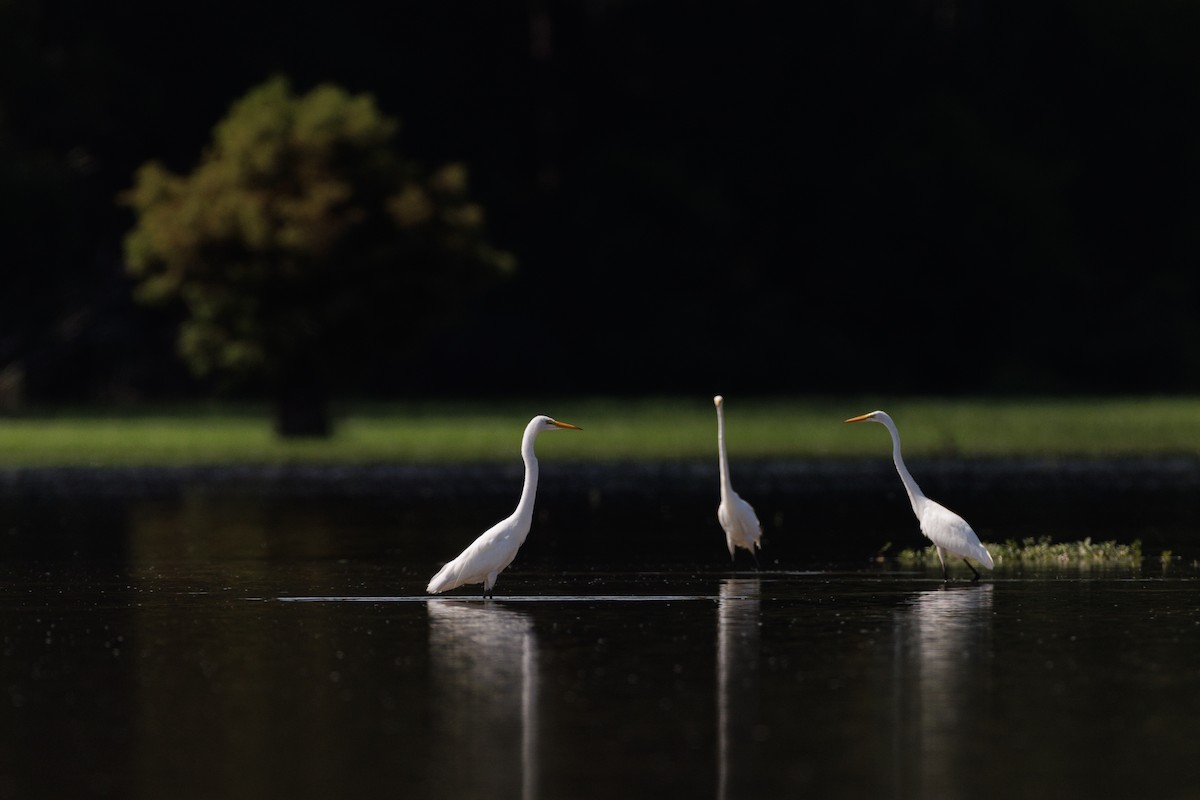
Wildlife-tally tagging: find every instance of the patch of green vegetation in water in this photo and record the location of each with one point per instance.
(1042, 552)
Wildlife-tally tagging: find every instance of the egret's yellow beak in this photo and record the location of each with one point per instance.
(859, 418)
(558, 424)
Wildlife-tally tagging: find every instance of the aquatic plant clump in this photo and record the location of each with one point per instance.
(1042, 552)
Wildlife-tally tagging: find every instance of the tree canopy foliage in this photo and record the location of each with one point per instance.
(305, 238)
(984, 197)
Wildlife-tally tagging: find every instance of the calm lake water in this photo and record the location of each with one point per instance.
(242, 641)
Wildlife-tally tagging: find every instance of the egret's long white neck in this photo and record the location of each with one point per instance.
(529, 491)
(915, 495)
(724, 460)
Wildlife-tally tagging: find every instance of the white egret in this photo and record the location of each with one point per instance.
(486, 557)
(737, 517)
(948, 531)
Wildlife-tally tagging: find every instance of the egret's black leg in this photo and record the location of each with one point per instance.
(942, 561)
(968, 563)
(755, 554)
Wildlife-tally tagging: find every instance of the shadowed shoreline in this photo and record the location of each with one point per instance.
(619, 515)
(634, 479)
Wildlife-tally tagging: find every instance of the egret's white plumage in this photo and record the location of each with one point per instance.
(486, 557)
(949, 532)
(737, 517)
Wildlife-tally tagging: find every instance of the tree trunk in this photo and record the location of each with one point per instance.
(302, 404)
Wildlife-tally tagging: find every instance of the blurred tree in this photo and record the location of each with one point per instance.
(305, 244)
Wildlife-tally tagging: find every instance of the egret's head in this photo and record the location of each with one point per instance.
(718, 401)
(874, 416)
(545, 423)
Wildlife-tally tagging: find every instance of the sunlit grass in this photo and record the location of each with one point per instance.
(661, 428)
(1042, 552)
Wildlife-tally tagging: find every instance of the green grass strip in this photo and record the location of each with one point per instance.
(650, 428)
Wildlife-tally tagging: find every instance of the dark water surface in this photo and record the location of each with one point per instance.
(233, 642)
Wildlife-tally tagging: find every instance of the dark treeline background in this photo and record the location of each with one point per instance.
(926, 196)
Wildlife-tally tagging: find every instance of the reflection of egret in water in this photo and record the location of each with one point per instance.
(737, 683)
(485, 683)
(943, 644)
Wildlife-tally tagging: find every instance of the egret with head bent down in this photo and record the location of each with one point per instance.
(486, 557)
(948, 531)
(737, 517)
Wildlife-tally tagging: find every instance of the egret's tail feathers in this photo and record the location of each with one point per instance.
(447, 578)
(985, 558)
